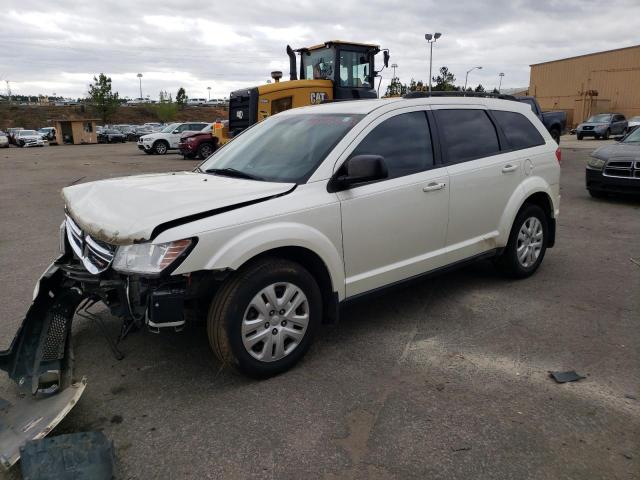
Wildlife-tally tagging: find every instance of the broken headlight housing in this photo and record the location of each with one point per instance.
(148, 258)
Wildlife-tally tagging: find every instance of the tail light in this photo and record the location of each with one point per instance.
(559, 155)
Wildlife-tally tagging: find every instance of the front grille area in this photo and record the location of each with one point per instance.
(96, 256)
(622, 168)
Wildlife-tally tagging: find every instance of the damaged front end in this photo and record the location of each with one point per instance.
(40, 357)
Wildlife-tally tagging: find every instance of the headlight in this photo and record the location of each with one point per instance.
(147, 258)
(596, 163)
(147, 139)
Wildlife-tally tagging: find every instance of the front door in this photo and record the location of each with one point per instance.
(395, 228)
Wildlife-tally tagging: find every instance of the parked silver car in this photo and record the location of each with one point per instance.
(602, 125)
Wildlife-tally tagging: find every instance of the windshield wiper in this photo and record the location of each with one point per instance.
(232, 172)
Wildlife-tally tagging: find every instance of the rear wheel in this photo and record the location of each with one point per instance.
(160, 147)
(555, 134)
(263, 319)
(527, 243)
(205, 150)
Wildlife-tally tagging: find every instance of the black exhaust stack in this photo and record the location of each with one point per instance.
(292, 64)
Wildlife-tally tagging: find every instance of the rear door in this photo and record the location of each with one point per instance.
(395, 228)
(482, 175)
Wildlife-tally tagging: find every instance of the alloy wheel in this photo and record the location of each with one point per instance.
(275, 322)
(529, 244)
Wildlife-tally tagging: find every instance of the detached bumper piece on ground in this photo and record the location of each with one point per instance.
(40, 361)
(77, 456)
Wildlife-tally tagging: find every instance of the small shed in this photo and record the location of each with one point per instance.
(76, 132)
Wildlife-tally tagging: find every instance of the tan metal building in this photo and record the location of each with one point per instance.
(587, 84)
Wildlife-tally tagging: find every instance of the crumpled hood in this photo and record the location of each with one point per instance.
(125, 210)
(618, 150)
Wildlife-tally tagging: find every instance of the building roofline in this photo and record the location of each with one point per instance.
(584, 55)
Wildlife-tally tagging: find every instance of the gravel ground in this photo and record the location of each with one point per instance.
(445, 379)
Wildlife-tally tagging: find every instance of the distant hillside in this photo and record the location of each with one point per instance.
(32, 116)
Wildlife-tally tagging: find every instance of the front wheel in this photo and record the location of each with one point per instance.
(606, 134)
(527, 243)
(263, 319)
(579, 137)
(205, 150)
(160, 148)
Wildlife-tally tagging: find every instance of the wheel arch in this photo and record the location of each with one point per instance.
(534, 191)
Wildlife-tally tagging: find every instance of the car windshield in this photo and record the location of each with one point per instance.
(599, 118)
(633, 137)
(24, 133)
(111, 131)
(169, 128)
(281, 148)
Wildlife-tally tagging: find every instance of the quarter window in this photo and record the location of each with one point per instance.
(519, 131)
(404, 142)
(466, 134)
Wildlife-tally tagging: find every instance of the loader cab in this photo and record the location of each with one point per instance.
(350, 66)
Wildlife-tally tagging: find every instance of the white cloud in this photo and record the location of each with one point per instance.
(60, 46)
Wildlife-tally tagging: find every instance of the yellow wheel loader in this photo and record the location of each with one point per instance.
(334, 70)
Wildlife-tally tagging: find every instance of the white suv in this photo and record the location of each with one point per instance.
(309, 209)
(167, 138)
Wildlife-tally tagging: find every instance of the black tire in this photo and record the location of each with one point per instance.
(205, 149)
(579, 137)
(160, 147)
(555, 134)
(227, 310)
(597, 193)
(508, 262)
(606, 134)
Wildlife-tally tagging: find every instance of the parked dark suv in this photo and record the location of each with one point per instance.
(602, 125)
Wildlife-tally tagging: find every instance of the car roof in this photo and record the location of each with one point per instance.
(365, 107)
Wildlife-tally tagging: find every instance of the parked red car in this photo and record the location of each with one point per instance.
(198, 144)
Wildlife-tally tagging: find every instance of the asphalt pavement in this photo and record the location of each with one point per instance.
(445, 379)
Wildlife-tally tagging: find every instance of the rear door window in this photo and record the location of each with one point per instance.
(466, 134)
(518, 130)
(404, 142)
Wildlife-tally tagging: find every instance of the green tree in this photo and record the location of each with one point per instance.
(479, 88)
(165, 109)
(444, 81)
(395, 88)
(181, 97)
(102, 98)
(495, 90)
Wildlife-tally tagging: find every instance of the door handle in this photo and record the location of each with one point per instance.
(433, 186)
(509, 168)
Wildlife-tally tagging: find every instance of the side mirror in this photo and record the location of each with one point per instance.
(386, 56)
(360, 169)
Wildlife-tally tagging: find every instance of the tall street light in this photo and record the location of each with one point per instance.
(431, 39)
(140, 78)
(209, 93)
(466, 77)
(500, 84)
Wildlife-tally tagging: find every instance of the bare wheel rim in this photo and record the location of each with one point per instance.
(275, 322)
(529, 244)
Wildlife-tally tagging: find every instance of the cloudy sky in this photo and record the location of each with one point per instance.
(57, 46)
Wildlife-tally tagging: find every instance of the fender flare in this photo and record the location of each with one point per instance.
(255, 241)
(528, 187)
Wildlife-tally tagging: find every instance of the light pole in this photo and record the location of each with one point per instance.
(466, 77)
(500, 84)
(431, 39)
(140, 78)
(209, 93)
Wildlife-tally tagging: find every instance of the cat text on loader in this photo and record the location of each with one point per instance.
(334, 70)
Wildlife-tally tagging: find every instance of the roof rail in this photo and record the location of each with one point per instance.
(459, 94)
